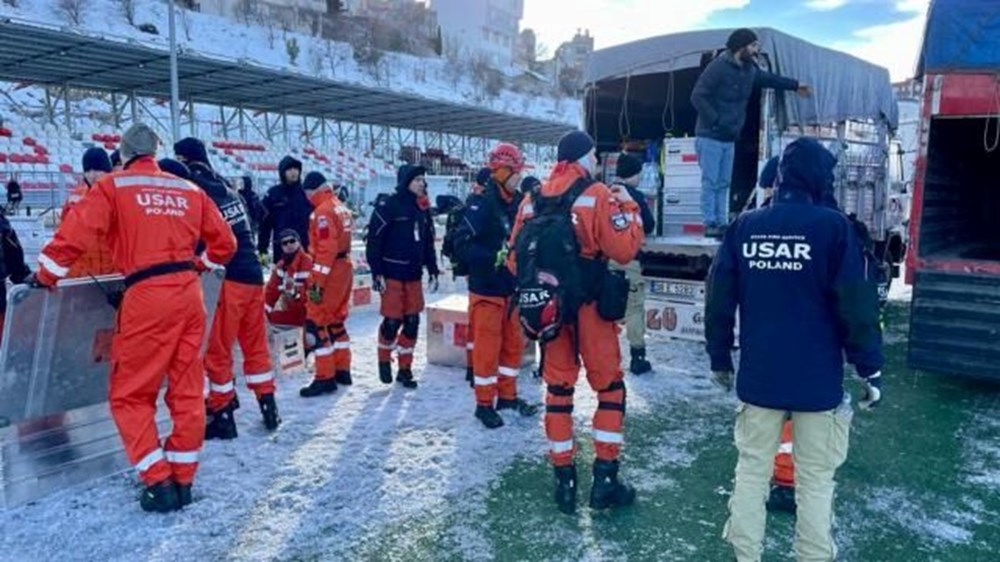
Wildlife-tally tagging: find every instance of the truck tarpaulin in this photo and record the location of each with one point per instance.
(845, 87)
(960, 37)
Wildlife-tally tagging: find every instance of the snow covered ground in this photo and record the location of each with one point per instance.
(380, 473)
(217, 37)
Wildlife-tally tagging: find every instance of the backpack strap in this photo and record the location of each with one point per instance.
(563, 203)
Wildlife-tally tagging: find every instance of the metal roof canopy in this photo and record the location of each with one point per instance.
(30, 53)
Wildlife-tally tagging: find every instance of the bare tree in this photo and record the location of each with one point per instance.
(127, 8)
(72, 10)
(247, 11)
(316, 62)
(292, 48)
(272, 36)
(186, 24)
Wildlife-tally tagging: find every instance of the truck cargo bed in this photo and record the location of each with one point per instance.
(955, 324)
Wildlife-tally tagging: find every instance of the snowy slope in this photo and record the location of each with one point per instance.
(214, 36)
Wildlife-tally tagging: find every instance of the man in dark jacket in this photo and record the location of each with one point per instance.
(285, 206)
(795, 272)
(239, 314)
(400, 244)
(498, 344)
(720, 96)
(628, 172)
(12, 264)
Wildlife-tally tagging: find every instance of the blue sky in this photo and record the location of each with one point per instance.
(886, 32)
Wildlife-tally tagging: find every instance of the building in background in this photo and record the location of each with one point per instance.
(481, 29)
(570, 61)
(527, 49)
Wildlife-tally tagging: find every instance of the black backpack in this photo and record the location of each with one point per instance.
(551, 275)
(456, 234)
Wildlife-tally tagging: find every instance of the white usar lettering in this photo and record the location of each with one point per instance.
(781, 256)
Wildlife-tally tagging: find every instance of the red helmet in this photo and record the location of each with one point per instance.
(506, 155)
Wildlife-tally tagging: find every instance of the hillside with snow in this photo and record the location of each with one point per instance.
(267, 46)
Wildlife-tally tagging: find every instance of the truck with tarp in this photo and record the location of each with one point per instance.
(638, 99)
(954, 262)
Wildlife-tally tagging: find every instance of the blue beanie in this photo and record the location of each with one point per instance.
(314, 180)
(95, 159)
(807, 166)
(192, 149)
(573, 146)
(171, 166)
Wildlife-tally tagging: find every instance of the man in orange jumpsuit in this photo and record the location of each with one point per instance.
(153, 222)
(329, 286)
(478, 187)
(285, 294)
(496, 329)
(97, 260)
(607, 226)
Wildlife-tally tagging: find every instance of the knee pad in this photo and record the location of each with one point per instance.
(312, 330)
(411, 325)
(390, 328)
(605, 404)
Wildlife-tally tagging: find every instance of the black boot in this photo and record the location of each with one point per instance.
(318, 387)
(385, 372)
(470, 378)
(608, 491)
(639, 365)
(344, 378)
(521, 406)
(565, 494)
(222, 423)
(490, 418)
(269, 410)
(160, 498)
(184, 494)
(405, 378)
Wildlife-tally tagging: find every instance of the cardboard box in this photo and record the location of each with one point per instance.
(448, 333)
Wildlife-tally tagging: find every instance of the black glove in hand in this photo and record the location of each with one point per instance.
(433, 283)
(378, 285)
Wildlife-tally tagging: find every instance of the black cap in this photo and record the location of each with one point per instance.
(628, 166)
(573, 146)
(171, 166)
(807, 166)
(289, 233)
(95, 159)
(483, 176)
(314, 180)
(192, 149)
(740, 38)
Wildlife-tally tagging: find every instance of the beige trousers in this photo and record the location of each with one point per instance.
(821, 440)
(635, 311)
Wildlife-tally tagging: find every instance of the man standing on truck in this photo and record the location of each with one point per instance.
(795, 272)
(720, 96)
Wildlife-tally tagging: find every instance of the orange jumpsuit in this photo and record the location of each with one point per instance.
(612, 229)
(151, 220)
(96, 260)
(330, 228)
(288, 285)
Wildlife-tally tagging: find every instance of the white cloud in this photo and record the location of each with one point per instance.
(826, 5)
(895, 45)
(613, 22)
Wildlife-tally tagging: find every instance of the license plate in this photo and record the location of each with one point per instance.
(675, 289)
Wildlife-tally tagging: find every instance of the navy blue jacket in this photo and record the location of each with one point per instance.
(490, 220)
(400, 241)
(285, 206)
(648, 220)
(795, 271)
(11, 260)
(244, 267)
(722, 92)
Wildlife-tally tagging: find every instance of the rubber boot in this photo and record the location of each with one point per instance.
(405, 378)
(565, 492)
(344, 378)
(608, 491)
(318, 387)
(489, 416)
(269, 410)
(385, 372)
(521, 406)
(639, 365)
(184, 494)
(222, 423)
(160, 498)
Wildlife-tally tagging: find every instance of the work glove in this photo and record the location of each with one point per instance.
(873, 391)
(432, 283)
(501, 259)
(315, 293)
(724, 379)
(378, 285)
(264, 259)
